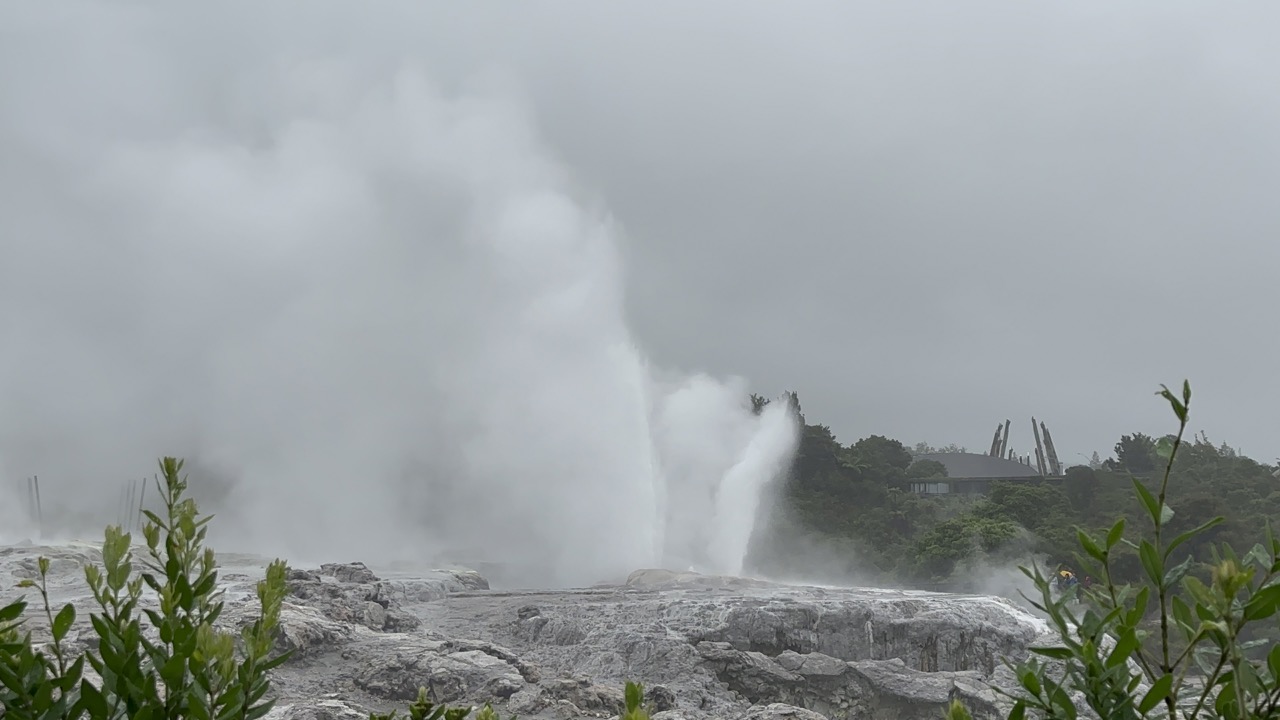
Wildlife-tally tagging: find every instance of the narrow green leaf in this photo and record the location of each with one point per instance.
(63, 621)
(1208, 618)
(1090, 546)
(1031, 682)
(12, 611)
(1199, 592)
(1057, 653)
(1160, 690)
(1175, 574)
(14, 683)
(257, 692)
(1151, 562)
(1148, 500)
(1125, 647)
(1224, 704)
(1182, 616)
(1139, 608)
(275, 662)
(1132, 687)
(1116, 532)
(94, 703)
(260, 710)
(198, 703)
(43, 699)
(206, 586)
(1173, 544)
(1264, 603)
(1179, 407)
(1061, 700)
(74, 673)
(173, 671)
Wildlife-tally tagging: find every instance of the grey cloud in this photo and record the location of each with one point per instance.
(925, 219)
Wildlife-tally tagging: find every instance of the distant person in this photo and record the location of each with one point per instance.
(1066, 580)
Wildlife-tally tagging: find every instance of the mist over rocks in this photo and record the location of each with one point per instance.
(704, 646)
(708, 647)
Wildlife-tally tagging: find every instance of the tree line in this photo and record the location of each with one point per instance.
(849, 508)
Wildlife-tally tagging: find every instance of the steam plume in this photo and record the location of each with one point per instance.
(371, 311)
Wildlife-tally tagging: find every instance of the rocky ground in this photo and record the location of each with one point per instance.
(705, 647)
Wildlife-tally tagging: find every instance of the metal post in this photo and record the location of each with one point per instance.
(39, 510)
(142, 499)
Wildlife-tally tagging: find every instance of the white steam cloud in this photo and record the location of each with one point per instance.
(371, 311)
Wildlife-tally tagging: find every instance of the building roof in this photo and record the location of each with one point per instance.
(973, 465)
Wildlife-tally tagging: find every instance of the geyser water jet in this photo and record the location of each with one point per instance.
(373, 314)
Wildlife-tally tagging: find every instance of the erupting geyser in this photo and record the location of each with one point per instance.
(371, 314)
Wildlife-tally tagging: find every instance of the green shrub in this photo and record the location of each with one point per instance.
(634, 697)
(179, 665)
(1198, 664)
(176, 665)
(424, 709)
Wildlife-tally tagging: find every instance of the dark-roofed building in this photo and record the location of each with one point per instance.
(973, 473)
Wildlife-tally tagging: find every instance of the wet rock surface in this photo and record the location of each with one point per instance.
(705, 647)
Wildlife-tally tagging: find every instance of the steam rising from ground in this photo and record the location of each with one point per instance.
(372, 313)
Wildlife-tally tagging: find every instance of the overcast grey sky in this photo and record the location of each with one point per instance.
(222, 221)
(928, 217)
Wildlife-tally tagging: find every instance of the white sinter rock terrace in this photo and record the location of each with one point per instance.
(704, 646)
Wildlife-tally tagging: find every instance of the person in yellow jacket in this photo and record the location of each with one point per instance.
(1066, 579)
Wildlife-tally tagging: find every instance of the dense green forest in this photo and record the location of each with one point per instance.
(847, 511)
